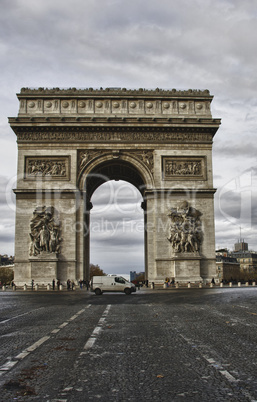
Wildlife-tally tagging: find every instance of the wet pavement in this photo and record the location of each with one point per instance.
(164, 345)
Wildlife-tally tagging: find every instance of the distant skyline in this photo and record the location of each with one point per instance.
(139, 44)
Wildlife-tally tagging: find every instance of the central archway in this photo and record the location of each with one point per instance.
(117, 228)
(101, 170)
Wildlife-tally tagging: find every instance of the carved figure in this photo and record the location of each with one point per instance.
(46, 167)
(147, 159)
(44, 238)
(181, 168)
(84, 158)
(185, 229)
(45, 231)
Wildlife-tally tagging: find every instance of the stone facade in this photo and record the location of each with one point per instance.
(71, 141)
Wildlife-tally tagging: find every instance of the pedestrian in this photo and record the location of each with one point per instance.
(53, 284)
(153, 285)
(213, 281)
(58, 284)
(87, 283)
(32, 284)
(68, 284)
(72, 285)
(81, 284)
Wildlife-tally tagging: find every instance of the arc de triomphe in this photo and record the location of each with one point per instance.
(70, 141)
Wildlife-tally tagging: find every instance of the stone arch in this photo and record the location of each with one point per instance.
(102, 169)
(131, 169)
(159, 140)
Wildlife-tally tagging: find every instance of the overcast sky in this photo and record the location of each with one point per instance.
(167, 44)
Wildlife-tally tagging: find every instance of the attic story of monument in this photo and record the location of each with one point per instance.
(70, 141)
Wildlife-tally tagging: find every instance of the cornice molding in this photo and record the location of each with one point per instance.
(113, 120)
(113, 91)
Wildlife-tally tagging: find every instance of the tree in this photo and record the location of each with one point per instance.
(95, 270)
(6, 275)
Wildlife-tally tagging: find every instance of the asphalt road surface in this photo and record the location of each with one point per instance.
(161, 345)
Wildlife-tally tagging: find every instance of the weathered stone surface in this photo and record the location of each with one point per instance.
(158, 140)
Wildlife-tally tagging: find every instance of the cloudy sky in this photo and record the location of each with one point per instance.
(167, 44)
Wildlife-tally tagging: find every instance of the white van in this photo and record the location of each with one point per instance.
(100, 284)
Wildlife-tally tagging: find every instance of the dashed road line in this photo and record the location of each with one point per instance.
(89, 344)
(91, 341)
(20, 315)
(37, 344)
(7, 366)
(217, 366)
(228, 376)
(63, 324)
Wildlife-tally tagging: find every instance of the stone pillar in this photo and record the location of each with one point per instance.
(44, 267)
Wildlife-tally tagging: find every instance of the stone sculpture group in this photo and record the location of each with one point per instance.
(45, 231)
(185, 229)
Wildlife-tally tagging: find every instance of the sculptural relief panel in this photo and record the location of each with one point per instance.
(44, 231)
(185, 229)
(47, 168)
(184, 168)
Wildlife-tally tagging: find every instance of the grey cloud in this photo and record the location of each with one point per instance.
(201, 44)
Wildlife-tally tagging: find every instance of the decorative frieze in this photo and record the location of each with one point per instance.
(184, 168)
(155, 135)
(47, 168)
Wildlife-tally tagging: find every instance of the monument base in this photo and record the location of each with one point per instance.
(44, 268)
(187, 267)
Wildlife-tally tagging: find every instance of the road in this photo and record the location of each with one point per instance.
(163, 345)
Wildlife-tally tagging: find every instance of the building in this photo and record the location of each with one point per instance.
(227, 268)
(241, 246)
(6, 260)
(71, 141)
(239, 265)
(136, 275)
(248, 264)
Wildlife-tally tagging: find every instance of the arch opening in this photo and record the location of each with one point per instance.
(113, 170)
(117, 228)
(114, 218)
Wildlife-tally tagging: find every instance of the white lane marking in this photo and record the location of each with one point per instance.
(63, 324)
(101, 321)
(96, 331)
(21, 315)
(10, 363)
(55, 330)
(73, 317)
(217, 366)
(22, 355)
(37, 344)
(228, 376)
(90, 342)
